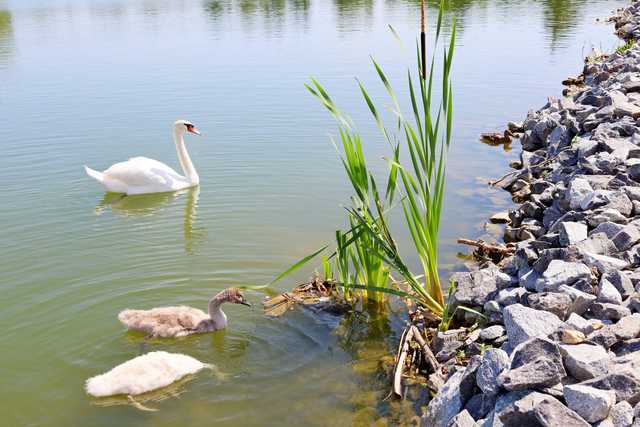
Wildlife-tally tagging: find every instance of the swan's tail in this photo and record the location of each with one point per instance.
(98, 176)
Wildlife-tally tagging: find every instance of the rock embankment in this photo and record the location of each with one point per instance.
(562, 345)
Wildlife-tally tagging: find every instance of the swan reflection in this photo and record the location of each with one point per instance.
(146, 205)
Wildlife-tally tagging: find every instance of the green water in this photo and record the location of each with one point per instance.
(96, 82)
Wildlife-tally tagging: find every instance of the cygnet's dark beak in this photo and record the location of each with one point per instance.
(245, 303)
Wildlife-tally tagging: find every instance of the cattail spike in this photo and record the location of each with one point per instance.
(423, 42)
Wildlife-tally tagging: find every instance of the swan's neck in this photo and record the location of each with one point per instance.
(185, 161)
(215, 311)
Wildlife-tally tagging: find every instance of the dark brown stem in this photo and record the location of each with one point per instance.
(423, 42)
(426, 351)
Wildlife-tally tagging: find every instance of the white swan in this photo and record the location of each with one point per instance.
(180, 321)
(144, 373)
(141, 175)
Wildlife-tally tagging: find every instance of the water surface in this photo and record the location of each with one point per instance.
(95, 82)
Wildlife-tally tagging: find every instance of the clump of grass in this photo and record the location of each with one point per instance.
(425, 136)
(367, 253)
(625, 47)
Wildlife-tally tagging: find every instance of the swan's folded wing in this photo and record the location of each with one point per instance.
(143, 172)
(163, 321)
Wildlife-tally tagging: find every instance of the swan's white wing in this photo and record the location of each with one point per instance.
(143, 373)
(141, 174)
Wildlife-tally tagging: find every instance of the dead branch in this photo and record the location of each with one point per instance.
(407, 336)
(488, 247)
(426, 350)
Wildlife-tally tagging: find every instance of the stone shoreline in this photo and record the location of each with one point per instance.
(562, 344)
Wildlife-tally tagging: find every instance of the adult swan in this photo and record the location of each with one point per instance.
(141, 175)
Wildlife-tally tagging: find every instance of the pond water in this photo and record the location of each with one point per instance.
(97, 81)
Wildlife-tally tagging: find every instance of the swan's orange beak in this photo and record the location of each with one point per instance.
(192, 129)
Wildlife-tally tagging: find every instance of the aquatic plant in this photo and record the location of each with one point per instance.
(625, 47)
(366, 254)
(427, 136)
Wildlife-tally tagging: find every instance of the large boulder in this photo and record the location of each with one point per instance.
(535, 363)
(523, 323)
(530, 408)
(626, 385)
(590, 403)
(474, 288)
(494, 362)
(585, 361)
(559, 273)
(452, 396)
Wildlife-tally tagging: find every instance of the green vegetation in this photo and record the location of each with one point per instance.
(367, 253)
(625, 47)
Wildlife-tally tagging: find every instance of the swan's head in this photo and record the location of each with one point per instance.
(233, 296)
(182, 126)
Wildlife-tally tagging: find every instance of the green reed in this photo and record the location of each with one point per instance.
(367, 253)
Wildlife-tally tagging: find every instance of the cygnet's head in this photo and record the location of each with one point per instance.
(182, 126)
(233, 296)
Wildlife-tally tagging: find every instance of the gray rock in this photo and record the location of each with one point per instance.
(579, 323)
(627, 328)
(636, 416)
(492, 306)
(590, 403)
(602, 262)
(622, 414)
(551, 413)
(626, 385)
(608, 311)
(500, 218)
(633, 193)
(474, 288)
(626, 237)
(480, 405)
(554, 302)
(492, 332)
(579, 189)
(447, 343)
(597, 243)
(581, 300)
(627, 347)
(622, 106)
(606, 215)
(452, 396)
(607, 293)
(527, 408)
(523, 323)
(572, 233)
(604, 336)
(510, 296)
(561, 273)
(535, 363)
(621, 281)
(463, 419)
(584, 361)
(619, 201)
(515, 409)
(494, 362)
(610, 229)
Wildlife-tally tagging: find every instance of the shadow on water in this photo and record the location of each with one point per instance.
(151, 204)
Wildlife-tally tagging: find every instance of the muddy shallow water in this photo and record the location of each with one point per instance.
(95, 82)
